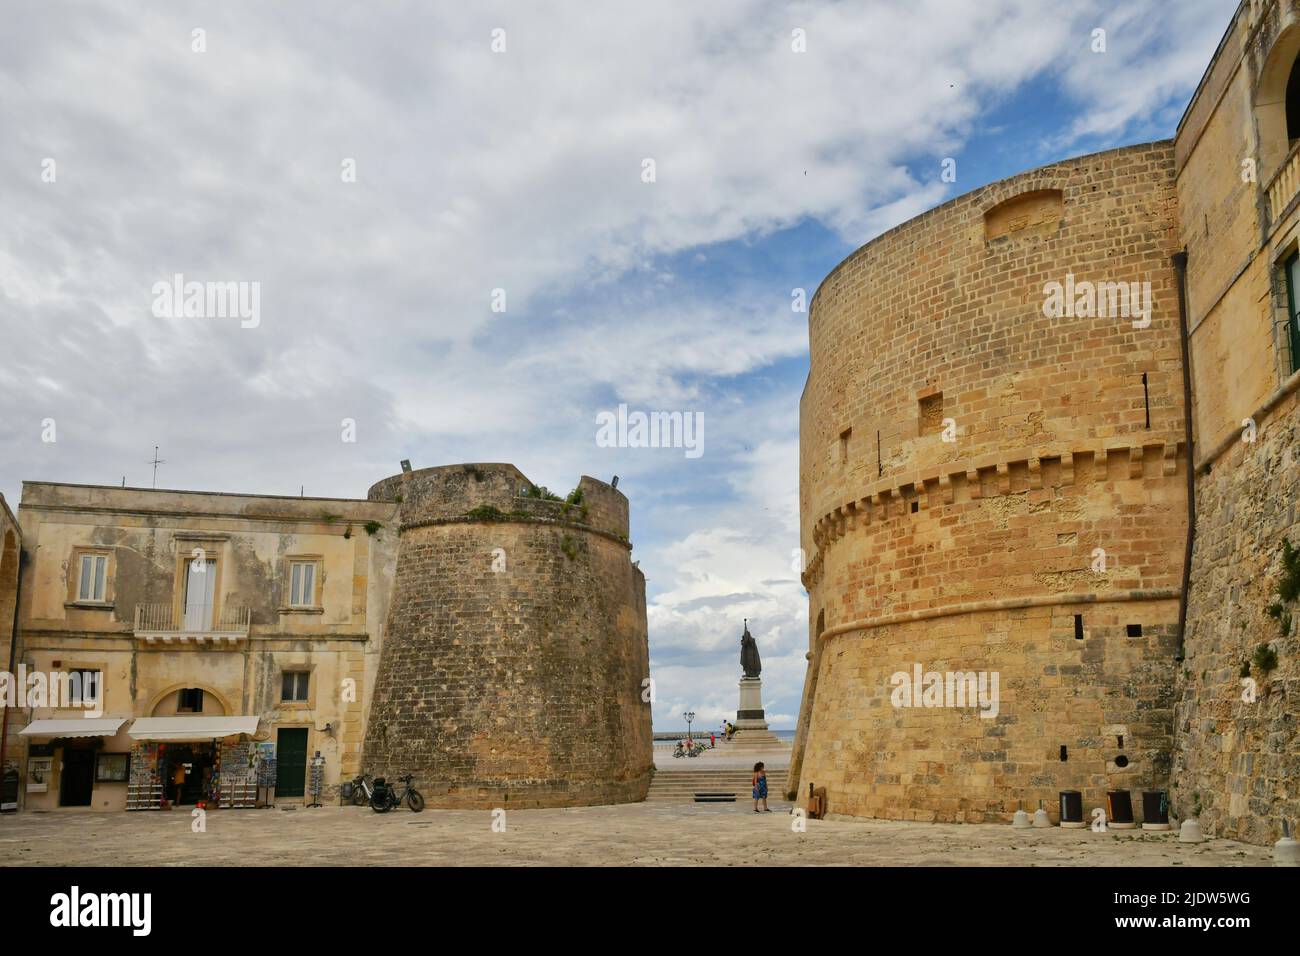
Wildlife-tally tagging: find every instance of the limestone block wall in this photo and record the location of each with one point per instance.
(977, 553)
(515, 647)
(1238, 761)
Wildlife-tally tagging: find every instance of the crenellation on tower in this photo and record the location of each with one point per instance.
(515, 657)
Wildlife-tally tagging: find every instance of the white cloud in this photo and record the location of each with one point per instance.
(478, 171)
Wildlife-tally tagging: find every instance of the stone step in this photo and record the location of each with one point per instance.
(710, 785)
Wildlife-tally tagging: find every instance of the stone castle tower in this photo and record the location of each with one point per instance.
(1170, 448)
(987, 488)
(516, 648)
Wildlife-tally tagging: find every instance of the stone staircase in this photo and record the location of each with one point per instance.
(722, 783)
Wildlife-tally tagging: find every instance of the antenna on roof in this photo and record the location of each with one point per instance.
(156, 462)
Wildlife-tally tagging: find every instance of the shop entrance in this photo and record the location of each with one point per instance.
(77, 779)
(187, 773)
(291, 762)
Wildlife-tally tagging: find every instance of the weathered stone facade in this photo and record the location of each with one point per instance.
(10, 551)
(516, 646)
(977, 553)
(1071, 435)
(1237, 760)
(521, 676)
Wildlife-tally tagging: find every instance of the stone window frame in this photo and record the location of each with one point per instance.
(1286, 329)
(213, 546)
(72, 665)
(74, 599)
(309, 702)
(317, 605)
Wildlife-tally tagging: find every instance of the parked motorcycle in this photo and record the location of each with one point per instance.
(385, 796)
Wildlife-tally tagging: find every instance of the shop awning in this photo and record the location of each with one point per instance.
(74, 727)
(191, 728)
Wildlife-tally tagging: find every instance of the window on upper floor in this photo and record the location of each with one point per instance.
(84, 686)
(189, 700)
(1292, 331)
(293, 685)
(302, 583)
(92, 582)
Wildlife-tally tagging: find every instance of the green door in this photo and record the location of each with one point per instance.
(291, 762)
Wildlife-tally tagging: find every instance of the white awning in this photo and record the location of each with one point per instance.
(74, 727)
(191, 728)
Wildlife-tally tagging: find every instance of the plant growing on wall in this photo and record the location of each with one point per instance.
(1288, 589)
(1264, 660)
(574, 500)
(372, 528)
(485, 513)
(569, 547)
(537, 491)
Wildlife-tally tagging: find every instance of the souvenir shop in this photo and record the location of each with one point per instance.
(198, 761)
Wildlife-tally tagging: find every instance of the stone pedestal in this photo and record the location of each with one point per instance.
(751, 724)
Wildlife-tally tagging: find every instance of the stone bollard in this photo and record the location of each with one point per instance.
(1020, 821)
(1041, 819)
(1286, 851)
(1190, 832)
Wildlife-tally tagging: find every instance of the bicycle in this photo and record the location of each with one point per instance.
(362, 791)
(386, 796)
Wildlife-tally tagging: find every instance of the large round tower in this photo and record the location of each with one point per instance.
(992, 474)
(515, 650)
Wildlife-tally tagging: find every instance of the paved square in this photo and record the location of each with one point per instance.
(645, 834)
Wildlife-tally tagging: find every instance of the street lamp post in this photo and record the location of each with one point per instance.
(690, 716)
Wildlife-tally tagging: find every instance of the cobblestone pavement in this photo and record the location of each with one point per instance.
(631, 834)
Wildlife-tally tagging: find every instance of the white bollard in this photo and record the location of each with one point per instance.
(1190, 832)
(1041, 819)
(1286, 851)
(1020, 821)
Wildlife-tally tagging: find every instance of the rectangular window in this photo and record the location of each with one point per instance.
(293, 686)
(94, 570)
(190, 701)
(302, 583)
(112, 768)
(1293, 305)
(84, 687)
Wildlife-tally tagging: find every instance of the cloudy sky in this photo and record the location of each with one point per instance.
(128, 155)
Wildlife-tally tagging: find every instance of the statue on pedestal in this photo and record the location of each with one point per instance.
(749, 661)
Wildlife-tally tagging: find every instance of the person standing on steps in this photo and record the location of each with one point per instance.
(760, 787)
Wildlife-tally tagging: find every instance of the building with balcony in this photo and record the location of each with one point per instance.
(175, 646)
(194, 610)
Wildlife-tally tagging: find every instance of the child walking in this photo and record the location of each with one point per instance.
(760, 787)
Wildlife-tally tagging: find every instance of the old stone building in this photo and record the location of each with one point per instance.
(516, 658)
(230, 642)
(994, 463)
(1237, 158)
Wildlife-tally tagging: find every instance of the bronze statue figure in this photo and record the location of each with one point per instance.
(749, 661)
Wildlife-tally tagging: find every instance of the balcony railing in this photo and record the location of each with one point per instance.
(155, 622)
(1283, 186)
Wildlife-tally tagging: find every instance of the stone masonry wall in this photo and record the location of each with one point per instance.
(1237, 761)
(977, 553)
(515, 649)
